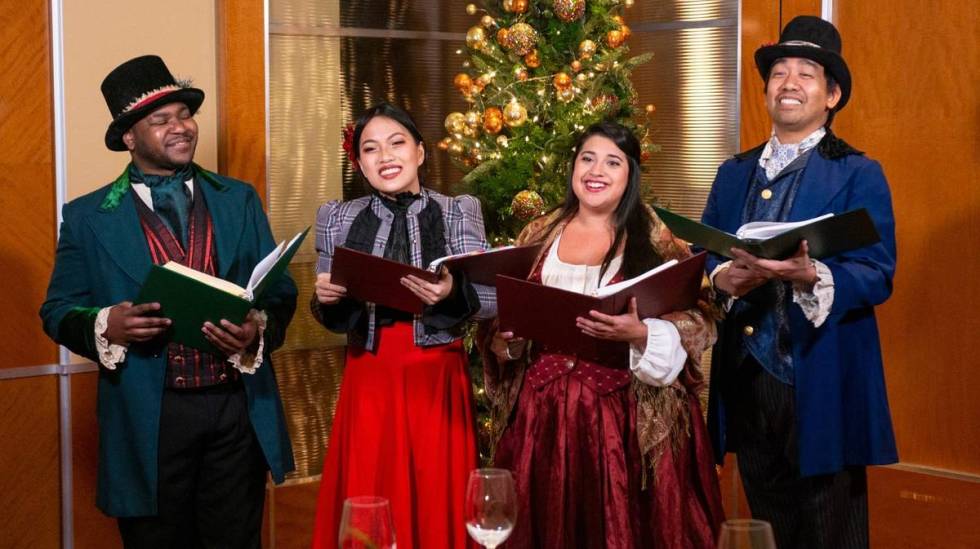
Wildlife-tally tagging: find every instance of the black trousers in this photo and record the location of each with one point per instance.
(823, 511)
(211, 475)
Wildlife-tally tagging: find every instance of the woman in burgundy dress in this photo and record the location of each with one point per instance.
(610, 453)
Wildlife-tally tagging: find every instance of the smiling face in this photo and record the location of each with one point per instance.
(164, 140)
(600, 174)
(389, 157)
(797, 98)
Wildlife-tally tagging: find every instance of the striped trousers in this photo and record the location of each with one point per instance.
(818, 512)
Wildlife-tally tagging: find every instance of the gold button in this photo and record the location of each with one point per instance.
(766, 194)
(748, 330)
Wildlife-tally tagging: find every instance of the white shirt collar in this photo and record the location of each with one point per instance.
(143, 191)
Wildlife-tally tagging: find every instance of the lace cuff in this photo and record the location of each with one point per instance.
(110, 354)
(817, 301)
(664, 357)
(725, 299)
(247, 362)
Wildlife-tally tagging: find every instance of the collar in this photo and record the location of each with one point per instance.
(806, 144)
(145, 195)
(416, 207)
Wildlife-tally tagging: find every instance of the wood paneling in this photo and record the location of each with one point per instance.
(293, 514)
(760, 25)
(911, 510)
(915, 109)
(30, 482)
(27, 195)
(92, 528)
(793, 8)
(241, 91)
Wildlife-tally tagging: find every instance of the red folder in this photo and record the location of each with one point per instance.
(483, 267)
(547, 315)
(377, 280)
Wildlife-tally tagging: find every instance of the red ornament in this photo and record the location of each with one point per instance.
(349, 146)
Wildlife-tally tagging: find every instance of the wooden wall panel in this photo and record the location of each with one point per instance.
(293, 513)
(915, 109)
(241, 91)
(92, 528)
(760, 25)
(30, 503)
(27, 197)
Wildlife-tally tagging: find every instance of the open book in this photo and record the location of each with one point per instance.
(827, 235)
(483, 266)
(190, 298)
(547, 315)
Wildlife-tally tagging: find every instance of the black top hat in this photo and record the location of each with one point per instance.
(812, 38)
(137, 87)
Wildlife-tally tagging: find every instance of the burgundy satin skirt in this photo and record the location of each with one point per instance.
(573, 449)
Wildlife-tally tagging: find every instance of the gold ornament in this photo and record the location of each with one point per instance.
(473, 119)
(493, 120)
(569, 10)
(456, 148)
(476, 38)
(576, 65)
(444, 143)
(462, 82)
(522, 38)
(615, 38)
(484, 79)
(566, 95)
(532, 59)
(618, 19)
(515, 114)
(650, 108)
(502, 141)
(476, 88)
(586, 49)
(628, 3)
(626, 32)
(581, 78)
(471, 9)
(470, 132)
(527, 204)
(515, 6)
(503, 38)
(562, 81)
(455, 122)
(520, 73)
(488, 22)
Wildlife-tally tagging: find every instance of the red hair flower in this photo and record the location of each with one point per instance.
(349, 146)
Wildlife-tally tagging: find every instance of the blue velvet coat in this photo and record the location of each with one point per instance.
(841, 405)
(102, 259)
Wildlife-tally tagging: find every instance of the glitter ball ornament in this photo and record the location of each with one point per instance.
(562, 81)
(532, 60)
(615, 38)
(476, 38)
(586, 49)
(493, 120)
(515, 114)
(455, 122)
(462, 82)
(522, 38)
(569, 10)
(527, 204)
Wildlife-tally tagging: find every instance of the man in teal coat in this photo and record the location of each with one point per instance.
(185, 436)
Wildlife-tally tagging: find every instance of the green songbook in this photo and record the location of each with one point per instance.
(826, 236)
(189, 298)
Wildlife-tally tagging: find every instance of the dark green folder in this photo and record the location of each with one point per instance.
(825, 238)
(189, 303)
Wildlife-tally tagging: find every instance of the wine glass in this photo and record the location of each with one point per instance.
(366, 524)
(746, 534)
(491, 506)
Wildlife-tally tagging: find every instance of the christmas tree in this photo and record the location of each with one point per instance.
(535, 74)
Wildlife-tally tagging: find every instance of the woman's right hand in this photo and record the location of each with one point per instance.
(327, 293)
(506, 347)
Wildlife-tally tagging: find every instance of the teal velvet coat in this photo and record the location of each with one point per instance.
(102, 259)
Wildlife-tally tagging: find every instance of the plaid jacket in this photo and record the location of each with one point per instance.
(463, 221)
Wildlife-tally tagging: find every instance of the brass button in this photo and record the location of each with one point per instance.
(748, 330)
(766, 194)
(222, 378)
(179, 359)
(179, 381)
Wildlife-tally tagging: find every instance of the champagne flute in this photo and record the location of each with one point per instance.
(366, 524)
(491, 506)
(746, 534)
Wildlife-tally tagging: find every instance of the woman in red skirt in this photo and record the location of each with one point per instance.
(404, 428)
(609, 453)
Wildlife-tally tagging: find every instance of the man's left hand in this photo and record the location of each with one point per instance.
(798, 268)
(231, 338)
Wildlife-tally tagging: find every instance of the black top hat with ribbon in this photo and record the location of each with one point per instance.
(137, 87)
(811, 38)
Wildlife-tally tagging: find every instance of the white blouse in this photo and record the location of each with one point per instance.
(663, 358)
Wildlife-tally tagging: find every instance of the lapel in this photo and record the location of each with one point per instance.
(227, 217)
(734, 195)
(117, 227)
(822, 180)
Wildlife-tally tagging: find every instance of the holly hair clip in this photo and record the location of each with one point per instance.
(349, 146)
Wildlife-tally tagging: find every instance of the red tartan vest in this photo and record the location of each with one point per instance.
(186, 367)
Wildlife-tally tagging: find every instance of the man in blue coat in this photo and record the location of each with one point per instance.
(185, 436)
(797, 387)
